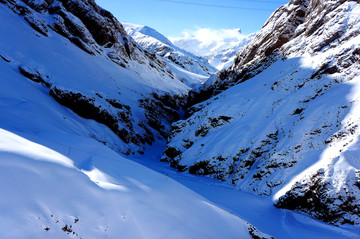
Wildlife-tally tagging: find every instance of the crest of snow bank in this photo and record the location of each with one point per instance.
(12, 143)
(204, 40)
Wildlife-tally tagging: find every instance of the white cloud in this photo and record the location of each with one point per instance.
(204, 40)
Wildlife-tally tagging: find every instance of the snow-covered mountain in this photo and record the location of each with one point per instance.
(75, 90)
(283, 120)
(219, 47)
(81, 102)
(107, 77)
(190, 68)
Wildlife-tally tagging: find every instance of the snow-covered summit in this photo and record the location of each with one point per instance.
(134, 29)
(156, 43)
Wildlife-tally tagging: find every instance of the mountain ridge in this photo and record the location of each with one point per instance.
(185, 64)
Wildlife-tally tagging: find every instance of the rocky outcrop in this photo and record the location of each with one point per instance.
(315, 196)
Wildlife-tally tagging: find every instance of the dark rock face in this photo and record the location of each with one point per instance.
(102, 25)
(119, 118)
(34, 75)
(85, 107)
(160, 111)
(284, 21)
(29, 15)
(312, 196)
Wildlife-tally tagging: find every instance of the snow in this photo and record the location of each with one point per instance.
(68, 68)
(255, 209)
(138, 203)
(57, 181)
(287, 125)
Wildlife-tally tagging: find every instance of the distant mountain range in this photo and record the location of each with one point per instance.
(190, 68)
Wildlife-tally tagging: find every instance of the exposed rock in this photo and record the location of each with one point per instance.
(29, 15)
(315, 196)
(256, 234)
(34, 75)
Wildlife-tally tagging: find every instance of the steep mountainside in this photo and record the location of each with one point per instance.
(192, 69)
(283, 120)
(87, 62)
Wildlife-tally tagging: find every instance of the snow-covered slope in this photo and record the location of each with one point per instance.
(287, 125)
(190, 68)
(219, 47)
(89, 64)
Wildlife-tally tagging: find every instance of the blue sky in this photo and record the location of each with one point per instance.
(173, 17)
